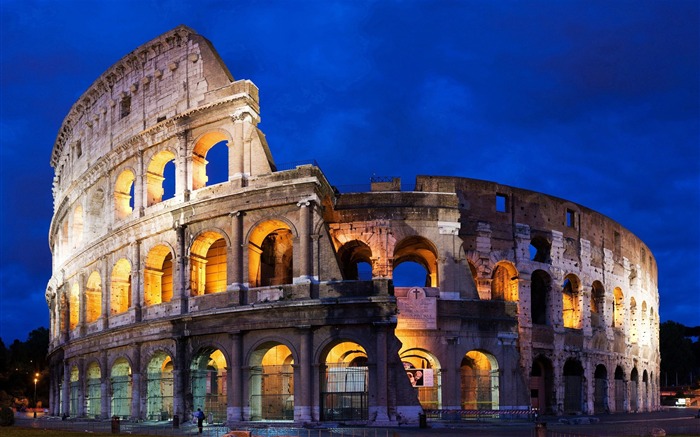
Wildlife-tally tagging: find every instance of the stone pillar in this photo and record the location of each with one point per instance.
(81, 387)
(136, 383)
(136, 280)
(234, 395)
(305, 221)
(140, 190)
(180, 281)
(105, 289)
(82, 310)
(65, 389)
(183, 183)
(378, 392)
(305, 386)
(237, 253)
(105, 382)
(179, 378)
(451, 383)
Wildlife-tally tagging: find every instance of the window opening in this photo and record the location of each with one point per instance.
(125, 106)
(570, 218)
(411, 274)
(501, 203)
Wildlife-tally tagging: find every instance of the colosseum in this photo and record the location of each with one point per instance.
(269, 295)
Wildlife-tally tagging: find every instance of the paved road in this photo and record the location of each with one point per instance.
(675, 421)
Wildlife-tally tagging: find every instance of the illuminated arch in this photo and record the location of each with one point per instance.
(159, 387)
(208, 382)
(571, 302)
(158, 276)
(74, 391)
(272, 382)
(353, 256)
(420, 251)
(618, 308)
(74, 306)
(120, 296)
(93, 298)
(199, 154)
(121, 385)
(344, 382)
(270, 254)
(208, 264)
(504, 282)
(123, 194)
(155, 176)
(93, 398)
(428, 382)
(78, 227)
(479, 381)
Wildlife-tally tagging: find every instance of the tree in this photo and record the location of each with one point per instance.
(677, 354)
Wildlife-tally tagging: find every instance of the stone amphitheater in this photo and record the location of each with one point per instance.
(269, 295)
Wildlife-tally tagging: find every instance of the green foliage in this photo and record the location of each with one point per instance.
(678, 354)
(7, 416)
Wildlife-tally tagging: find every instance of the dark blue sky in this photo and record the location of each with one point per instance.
(593, 101)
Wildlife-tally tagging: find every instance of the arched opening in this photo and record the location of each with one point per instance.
(420, 251)
(159, 387)
(424, 372)
(272, 383)
(78, 222)
(74, 306)
(74, 391)
(344, 383)
(124, 194)
(539, 249)
(540, 287)
(618, 308)
(541, 385)
(270, 254)
(120, 379)
(411, 274)
(634, 327)
(93, 399)
(155, 176)
(208, 264)
(120, 298)
(573, 387)
(356, 261)
(93, 298)
(479, 381)
(600, 390)
(203, 173)
(645, 391)
(571, 307)
(597, 305)
(208, 372)
(158, 276)
(634, 390)
(620, 391)
(504, 283)
(644, 325)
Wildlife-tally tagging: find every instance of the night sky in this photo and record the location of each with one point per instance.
(596, 102)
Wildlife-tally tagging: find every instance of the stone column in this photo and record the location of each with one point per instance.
(378, 408)
(234, 381)
(179, 378)
(105, 289)
(65, 388)
(305, 220)
(180, 282)
(236, 264)
(451, 384)
(136, 383)
(183, 183)
(305, 386)
(136, 280)
(81, 387)
(104, 385)
(140, 190)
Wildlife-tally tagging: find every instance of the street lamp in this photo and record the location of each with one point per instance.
(36, 379)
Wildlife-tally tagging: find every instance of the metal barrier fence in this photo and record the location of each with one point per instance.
(479, 415)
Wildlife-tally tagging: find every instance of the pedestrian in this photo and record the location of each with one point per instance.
(200, 419)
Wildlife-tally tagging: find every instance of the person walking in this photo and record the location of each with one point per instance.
(200, 419)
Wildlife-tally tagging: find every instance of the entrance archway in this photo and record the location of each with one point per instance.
(573, 386)
(159, 387)
(600, 395)
(208, 372)
(620, 392)
(634, 390)
(121, 388)
(541, 385)
(94, 391)
(272, 383)
(344, 383)
(479, 381)
(423, 370)
(74, 391)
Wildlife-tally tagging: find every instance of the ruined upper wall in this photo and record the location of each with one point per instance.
(173, 73)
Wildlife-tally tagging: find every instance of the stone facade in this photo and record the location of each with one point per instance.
(269, 295)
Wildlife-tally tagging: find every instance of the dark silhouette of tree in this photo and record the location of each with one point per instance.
(19, 365)
(678, 358)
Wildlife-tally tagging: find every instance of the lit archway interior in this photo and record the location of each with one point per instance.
(93, 298)
(120, 378)
(424, 372)
(120, 296)
(158, 276)
(155, 175)
(504, 282)
(420, 251)
(208, 382)
(272, 383)
(74, 390)
(200, 177)
(571, 305)
(479, 381)
(270, 254)
(344, 383)
(124, 194)
(208, 264)
(159, 387)
(93, 399)
(356, 260)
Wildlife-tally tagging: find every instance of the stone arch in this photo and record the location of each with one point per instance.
(540, 248)
(271, 253)
(344, 381)
(93, 398)
(74, 388)
(74, 306)
(644, 325)
(600, 390)
(352, 256)
(208, 263)
(479, 381)
(421, 251)
(202, 145)
(618, 311)
(155, 175)
(425, 373)
(159, 386)
(540, 297)
(121, 387)
(271, 381)
(573, 386)
(645, 390)
(571, 302)
(634, 323)
(94, 217)
(504, 282)
(158, 275)
(120, 296)
(78, 231)
(208, 374)
(542, 394)
(93, 298)
(620, 390)
(597, 305)
(124, 194)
